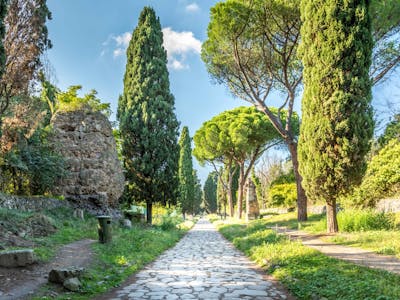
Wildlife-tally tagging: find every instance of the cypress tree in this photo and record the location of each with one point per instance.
(210, 192)
(148, 125)
(186, 177)
(337, 122)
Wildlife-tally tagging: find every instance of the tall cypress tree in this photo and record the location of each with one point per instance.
(210, 192)
(337, 120)
(148, 125)
(186, 178)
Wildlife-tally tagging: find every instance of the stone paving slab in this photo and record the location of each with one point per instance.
(203, 265)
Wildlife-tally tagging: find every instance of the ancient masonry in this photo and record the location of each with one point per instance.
(252, 208)
(86, 142)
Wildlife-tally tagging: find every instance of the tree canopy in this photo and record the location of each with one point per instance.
(238, 137)
(210, 192)
(185, 173)
(148, 124)
(337, 122)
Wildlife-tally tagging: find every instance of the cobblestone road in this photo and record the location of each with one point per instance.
(203, 265)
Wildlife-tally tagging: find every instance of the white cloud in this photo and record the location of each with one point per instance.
(123, 39)
(119, 52)
(177, 65)
(193, 7)
(122, 43)
(178, 45)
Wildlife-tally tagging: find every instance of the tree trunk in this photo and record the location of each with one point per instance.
(240, 191)
(230, 196)
(149, 211)
(331, 220)
(301, 194)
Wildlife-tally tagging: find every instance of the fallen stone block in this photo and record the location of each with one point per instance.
(61, 275)
(17, 258)
(72, 284)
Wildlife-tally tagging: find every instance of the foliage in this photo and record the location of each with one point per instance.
(210, 192)
(382, 178)
(252, 49)
(383, 239)
(185, 173)
(129, 251)
(198, 195)
(282, 195)
(236, 136)
(307, 273)
(32, 167)
(148, 125)
(70, 101)
(170, 220)
(392, 131)
(69, 229)
(25, 40)
(337, 121)
(282, 190)
(385, 18)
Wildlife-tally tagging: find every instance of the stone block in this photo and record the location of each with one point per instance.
(17, 258)
(61, 275)
(72, 284)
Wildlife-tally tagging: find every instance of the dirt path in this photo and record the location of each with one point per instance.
(351, 254)
(20, 283)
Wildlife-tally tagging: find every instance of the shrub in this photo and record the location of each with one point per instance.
(169, 221)
(364, 220)
(382, 178)
(283, 195)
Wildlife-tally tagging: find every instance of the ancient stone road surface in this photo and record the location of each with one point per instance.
(203, 265)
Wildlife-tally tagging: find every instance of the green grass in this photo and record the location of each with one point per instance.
(380, 241)
(129, 251)
(307, 273)
(69, 229)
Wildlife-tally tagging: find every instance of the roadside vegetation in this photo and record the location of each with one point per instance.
(366, 229)
(307, 273)
(129, 251)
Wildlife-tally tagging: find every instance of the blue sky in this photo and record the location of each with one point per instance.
(89, 41)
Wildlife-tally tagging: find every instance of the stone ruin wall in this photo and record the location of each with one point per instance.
(95, 175)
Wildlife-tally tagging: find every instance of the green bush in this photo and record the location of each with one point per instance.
(169, 221)
(363, 220)
(283, 195)
(382, 178)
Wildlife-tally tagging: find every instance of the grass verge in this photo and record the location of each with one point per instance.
(357, 224)
(307, 273)
(129, 251)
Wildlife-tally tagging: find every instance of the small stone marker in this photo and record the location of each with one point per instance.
(17, 258)
(78, 213)
(61, 275)
(72, 284)
(127, 223)
(252, 209)
(104, 229)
